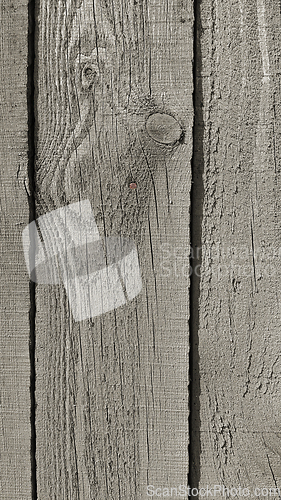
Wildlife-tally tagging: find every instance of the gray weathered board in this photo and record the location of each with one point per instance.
(15, 431)
(238, 126)
(112, 391)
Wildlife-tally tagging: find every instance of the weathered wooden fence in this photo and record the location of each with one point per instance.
(161, 120)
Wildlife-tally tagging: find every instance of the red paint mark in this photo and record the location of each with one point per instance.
(133, 185)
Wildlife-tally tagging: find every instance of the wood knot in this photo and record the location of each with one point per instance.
(90, 74)
(164, 128)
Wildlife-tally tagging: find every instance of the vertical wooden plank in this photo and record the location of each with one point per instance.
(114, 109)
(15, 434)
(239, 316)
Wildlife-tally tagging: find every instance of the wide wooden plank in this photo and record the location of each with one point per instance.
(15, 434)
(112, 390)
(238, 144)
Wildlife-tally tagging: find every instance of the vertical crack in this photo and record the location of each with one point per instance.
(32, 216)
(196, 215)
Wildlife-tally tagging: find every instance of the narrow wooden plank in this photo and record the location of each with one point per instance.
(15, 434)
(239, 315)
(112, 390)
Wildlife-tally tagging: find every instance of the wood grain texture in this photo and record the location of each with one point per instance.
(15, 434)
(112, 391)
(239, 315)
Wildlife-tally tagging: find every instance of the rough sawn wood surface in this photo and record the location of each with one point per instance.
(239, 303)
(15, 407)
(112, 391)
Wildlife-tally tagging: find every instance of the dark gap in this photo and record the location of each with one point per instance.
(32, 216)
(196, 215)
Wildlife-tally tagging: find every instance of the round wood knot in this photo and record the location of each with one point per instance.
(164, 128)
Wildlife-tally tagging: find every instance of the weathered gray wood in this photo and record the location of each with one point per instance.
(112, 392)
(15, 434)
(239, 311)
